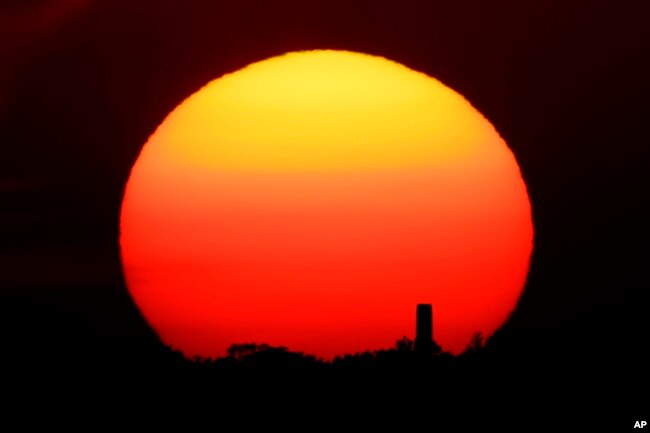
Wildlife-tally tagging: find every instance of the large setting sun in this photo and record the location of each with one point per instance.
(311, 200)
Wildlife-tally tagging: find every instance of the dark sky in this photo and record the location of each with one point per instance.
(83, 83)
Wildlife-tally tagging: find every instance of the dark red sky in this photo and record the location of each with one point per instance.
(83, 83)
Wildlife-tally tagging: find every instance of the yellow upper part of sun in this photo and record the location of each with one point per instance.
(323, 110)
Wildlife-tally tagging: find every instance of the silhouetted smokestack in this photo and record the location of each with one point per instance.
(424, 329)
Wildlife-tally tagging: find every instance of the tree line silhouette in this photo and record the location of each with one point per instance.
(403, 355)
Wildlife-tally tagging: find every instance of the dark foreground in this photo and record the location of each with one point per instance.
(57, 354)
(477, 389)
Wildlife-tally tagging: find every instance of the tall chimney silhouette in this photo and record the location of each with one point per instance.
(424, 329)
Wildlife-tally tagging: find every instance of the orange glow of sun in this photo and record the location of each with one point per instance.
(311, 200)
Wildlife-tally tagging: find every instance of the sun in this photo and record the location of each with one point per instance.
(311, 200)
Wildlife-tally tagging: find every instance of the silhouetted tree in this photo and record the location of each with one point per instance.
(239, 351)
(475, 345)
(404, 344)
